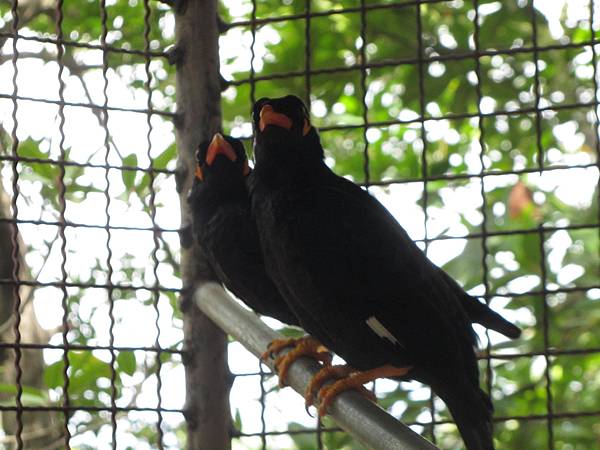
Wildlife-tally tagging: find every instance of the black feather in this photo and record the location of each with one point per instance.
(225, 230)
(339, 258)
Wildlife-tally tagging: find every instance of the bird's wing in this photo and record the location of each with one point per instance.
(362, 260)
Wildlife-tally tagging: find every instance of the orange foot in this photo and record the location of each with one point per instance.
(305, 346)
(355, 381)
(327, 373)
(276, 346)
(322, 376)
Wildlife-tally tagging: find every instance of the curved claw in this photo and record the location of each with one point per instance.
(306, 408)
(326, 373)
(283, 363)
(306, 346)
(355, 381)
(276, 346)
(323, 355)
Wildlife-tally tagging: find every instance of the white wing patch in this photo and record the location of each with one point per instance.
(380, 330)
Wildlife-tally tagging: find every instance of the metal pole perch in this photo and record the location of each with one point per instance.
(364, 420)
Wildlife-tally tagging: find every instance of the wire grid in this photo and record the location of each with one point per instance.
(364, 67)
(114, 290)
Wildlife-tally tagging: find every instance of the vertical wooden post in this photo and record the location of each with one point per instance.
(198, 117)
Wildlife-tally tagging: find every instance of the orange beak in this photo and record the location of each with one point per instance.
(219, 146)
(306, 127)
(198, 173)
(269, 117)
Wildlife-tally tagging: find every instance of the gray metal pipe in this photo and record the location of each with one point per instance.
(364, 420)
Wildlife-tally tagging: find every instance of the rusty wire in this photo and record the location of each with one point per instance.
(155, 236)
(107, 226)
(484, 221)
(540, 163)
(61, 228)
(16, 251)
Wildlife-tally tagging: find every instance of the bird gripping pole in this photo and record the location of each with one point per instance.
(363, 419)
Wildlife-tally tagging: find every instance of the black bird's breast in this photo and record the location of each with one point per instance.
(229, 238)
(317, 286)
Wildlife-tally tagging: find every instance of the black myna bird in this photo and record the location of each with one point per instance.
(225, 230)
(355, 279)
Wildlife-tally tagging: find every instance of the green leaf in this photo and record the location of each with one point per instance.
(129, 175)
(161, 161)
(40, 171)
(53, 375)
(237, 420)
(127, 362)
(291, 332)
(85, 369)
(30, 396)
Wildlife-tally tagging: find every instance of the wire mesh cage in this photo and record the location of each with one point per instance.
(93, 275)
(475, 123)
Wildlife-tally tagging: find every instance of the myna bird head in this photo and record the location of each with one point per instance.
(287, 112)
(220, 176)
(221, 154)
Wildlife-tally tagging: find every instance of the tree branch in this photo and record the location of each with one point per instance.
(27, 11)
(6, 326)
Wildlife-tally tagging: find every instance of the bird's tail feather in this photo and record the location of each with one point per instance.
(472, 412)
(480, 312)
(484, 315)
